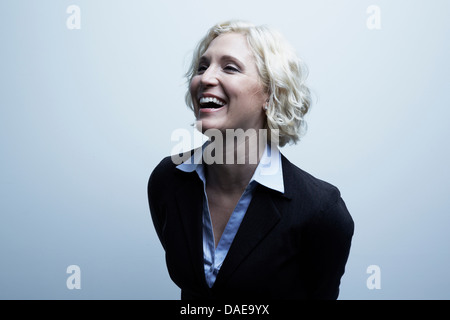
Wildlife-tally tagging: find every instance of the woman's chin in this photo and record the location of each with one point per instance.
(204, 125)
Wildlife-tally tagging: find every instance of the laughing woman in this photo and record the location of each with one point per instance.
(249, 224)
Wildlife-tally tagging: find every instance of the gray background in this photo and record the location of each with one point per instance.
(85, 116)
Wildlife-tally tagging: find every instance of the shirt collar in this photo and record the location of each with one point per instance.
(193, 162)
(268, 173)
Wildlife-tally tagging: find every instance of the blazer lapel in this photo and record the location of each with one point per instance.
(261, 216)
(263, 213)
(189, 195)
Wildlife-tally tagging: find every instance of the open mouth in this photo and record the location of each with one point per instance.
(211, 103)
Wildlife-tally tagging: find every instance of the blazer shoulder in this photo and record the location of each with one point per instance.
(166, 172)
(305, 184)
(162, 170)
(323, 199)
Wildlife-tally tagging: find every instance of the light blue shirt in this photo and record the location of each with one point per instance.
(268, 173)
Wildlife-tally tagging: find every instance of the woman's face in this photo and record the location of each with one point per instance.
(226, 90)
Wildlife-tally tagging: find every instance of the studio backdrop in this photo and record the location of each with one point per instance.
(91, 92)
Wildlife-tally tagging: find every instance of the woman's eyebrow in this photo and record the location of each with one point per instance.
(232, 58)
(226, 57)
(203, 59)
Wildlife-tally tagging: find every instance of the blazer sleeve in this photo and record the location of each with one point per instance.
(156, 198)
(330, 240)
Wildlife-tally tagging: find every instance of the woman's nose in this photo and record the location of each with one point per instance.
(209, 77)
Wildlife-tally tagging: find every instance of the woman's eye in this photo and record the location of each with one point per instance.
(201, 68)
(231, 68)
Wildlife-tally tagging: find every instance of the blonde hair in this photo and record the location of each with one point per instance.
(282, 74)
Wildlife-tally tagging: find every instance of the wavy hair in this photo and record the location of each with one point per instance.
(282, 73)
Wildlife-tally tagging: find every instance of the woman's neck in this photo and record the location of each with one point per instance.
(238, 166)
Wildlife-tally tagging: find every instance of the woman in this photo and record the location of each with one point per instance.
(236, 218)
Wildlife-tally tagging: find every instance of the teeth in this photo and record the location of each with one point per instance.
(211, 99)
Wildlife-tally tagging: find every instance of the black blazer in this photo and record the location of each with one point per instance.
(289, 246)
